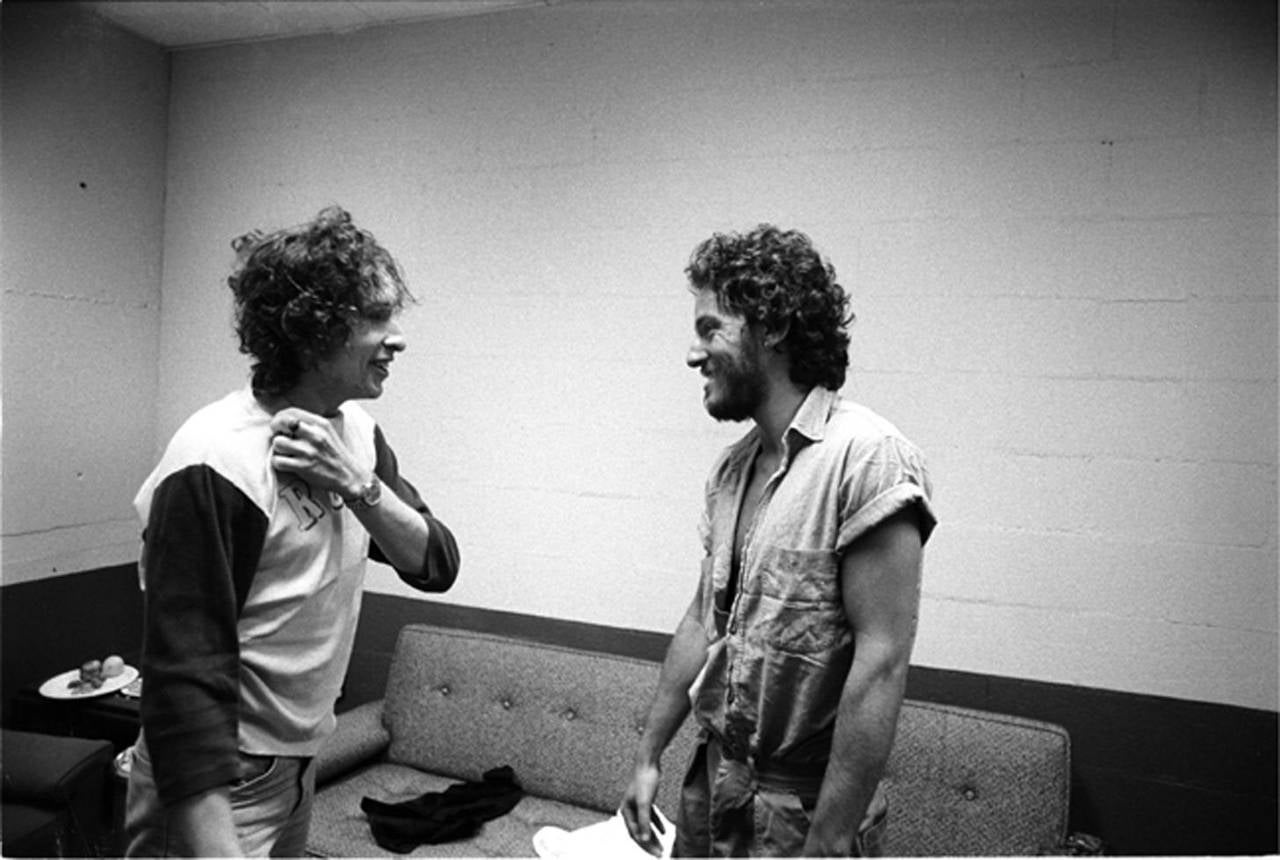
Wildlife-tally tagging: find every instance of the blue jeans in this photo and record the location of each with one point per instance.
(271, 808)
(728, 809)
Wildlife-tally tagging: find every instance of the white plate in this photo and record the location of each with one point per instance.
(59, 686)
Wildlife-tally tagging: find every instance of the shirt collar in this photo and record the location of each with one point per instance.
(810, 420)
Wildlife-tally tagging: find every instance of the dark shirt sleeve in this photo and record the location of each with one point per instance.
(442, 560)
(203, 541)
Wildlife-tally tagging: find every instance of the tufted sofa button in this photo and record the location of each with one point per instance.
(970, 793)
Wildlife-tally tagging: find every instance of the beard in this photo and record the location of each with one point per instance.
(737, 386)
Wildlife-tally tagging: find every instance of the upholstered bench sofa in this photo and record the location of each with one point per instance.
(459, 703)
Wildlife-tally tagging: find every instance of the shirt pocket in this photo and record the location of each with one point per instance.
(801, 610)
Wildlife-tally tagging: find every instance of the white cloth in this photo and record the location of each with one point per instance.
(607, 839)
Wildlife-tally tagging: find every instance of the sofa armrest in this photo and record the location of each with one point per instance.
(359, 737)
(49, 769)
(57, 800)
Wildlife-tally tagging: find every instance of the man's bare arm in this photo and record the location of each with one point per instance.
(880, 581)
(685, 657)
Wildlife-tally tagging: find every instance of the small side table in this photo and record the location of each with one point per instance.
(113, 717)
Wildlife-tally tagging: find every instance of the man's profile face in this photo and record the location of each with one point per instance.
(727, 353)
(358, 368)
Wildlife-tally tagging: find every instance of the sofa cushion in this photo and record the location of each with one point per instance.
(459, 703)
(359, 737)
(966, 782)
(340, 829)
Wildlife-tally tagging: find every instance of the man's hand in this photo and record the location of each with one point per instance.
(637, 808)
(205, 826)
(309, 446)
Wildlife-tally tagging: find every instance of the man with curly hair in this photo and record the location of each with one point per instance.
(258, 523)
(793, 654)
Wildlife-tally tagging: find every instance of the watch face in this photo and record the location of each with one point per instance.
(368, 496)
(371, 495)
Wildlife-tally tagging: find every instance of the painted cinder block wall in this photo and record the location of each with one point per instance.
(1057, 220)
(83, 125)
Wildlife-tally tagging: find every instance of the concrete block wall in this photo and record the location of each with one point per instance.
(84, 130)
(1057, 220)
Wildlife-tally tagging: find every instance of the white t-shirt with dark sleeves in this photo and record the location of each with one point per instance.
(253, 584)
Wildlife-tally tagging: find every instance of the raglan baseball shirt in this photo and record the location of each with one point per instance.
(253, 582)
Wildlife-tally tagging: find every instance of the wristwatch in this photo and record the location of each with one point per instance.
(369, 496)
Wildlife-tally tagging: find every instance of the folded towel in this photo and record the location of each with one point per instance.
(443, 816)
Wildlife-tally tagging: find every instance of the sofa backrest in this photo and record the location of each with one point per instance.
(963, 782)
(459, 703)
(960, 781)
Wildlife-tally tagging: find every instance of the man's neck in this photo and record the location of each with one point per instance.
(300, 397)
(775, 414)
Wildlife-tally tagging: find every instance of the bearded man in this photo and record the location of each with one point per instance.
(793, 653)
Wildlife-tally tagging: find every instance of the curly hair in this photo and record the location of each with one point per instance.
(779, 282)
(299, 290)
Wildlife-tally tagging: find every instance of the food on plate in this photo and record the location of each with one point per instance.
(94, 673)
(91, 672)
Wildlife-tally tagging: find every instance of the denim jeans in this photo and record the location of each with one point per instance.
(271, 808)
(729, 810)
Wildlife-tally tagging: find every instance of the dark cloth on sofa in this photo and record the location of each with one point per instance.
(443, 816)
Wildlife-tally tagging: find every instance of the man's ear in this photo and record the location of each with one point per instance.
(773, 338)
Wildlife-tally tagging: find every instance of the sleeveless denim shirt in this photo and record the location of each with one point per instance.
(780, 651)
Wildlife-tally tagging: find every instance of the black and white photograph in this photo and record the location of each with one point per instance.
(624, 428)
